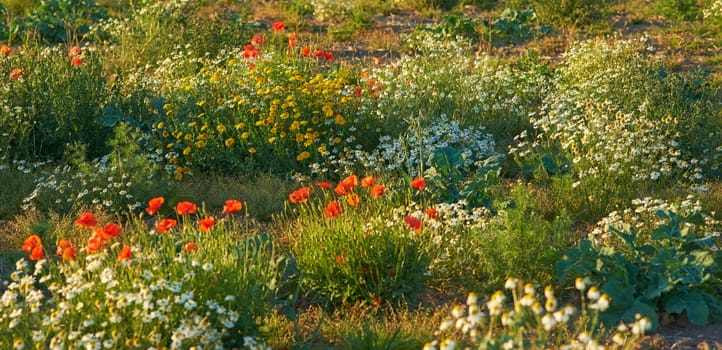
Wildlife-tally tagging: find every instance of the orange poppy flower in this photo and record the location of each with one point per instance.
(333, 209)
(68, 254)
(346, 185)
(305, 51)
(185, 208)
(86, 220)
(62, 244)
(165, 225)
(413, 222)
(377, 301)
(125, 254)
(368, 181)
(292, 40)
(257, 39)
(232, 206)
(418, 183)
(191, 247)
(77, 61)
(154, 205)
(37, 253)
(278, 26)
(74, 51)
(34, 246)
(431, 213)
(31, 242)
(5, 50)
(353, 199)
(300, 195)
(206, 224)
(95, 244)
(340, 260)
(65, 250)
(377, 191)
(351, 180)
(17, 73)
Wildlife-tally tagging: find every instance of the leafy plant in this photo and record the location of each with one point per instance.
(43, 114)
(686, 10)
(673, 270)
(448, 182)
(58, 21)
(116, 182)
(569, 12)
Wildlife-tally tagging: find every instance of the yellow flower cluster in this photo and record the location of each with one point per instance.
(237, 113)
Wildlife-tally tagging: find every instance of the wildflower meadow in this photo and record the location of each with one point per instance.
(409, 174)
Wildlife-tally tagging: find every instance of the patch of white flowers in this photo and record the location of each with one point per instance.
(530, 315)
(642, 218)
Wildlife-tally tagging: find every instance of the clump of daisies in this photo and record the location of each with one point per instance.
(528, 316)
(643, 218)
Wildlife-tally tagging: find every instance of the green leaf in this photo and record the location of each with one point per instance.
(657, 286)
(692, 303)
(549, 164)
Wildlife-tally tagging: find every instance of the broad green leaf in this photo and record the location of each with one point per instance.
(692, 303)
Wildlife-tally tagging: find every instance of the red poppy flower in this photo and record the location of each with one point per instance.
(185, 208)
(206, 224)
(300, 195)
(377, 301)
(249, 51)
(125, 254)
(413, 222)
(17, 73)
(278, 26)
(86, 220)
(368, 181)
(317, 53)
(257, 39)
(340, 260)
(232, 206)
(305, 51)
(154, 205)
(431, 213)
(74, 51)
(353, 199)
(191, 247)
(165, 225)
(5, 50)
(418, 183)
(95, 244)
(324, 185)
(109, 231)
(377, 191)
(377, 60)
(333, 209)
(77, 61)
(328, 56)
